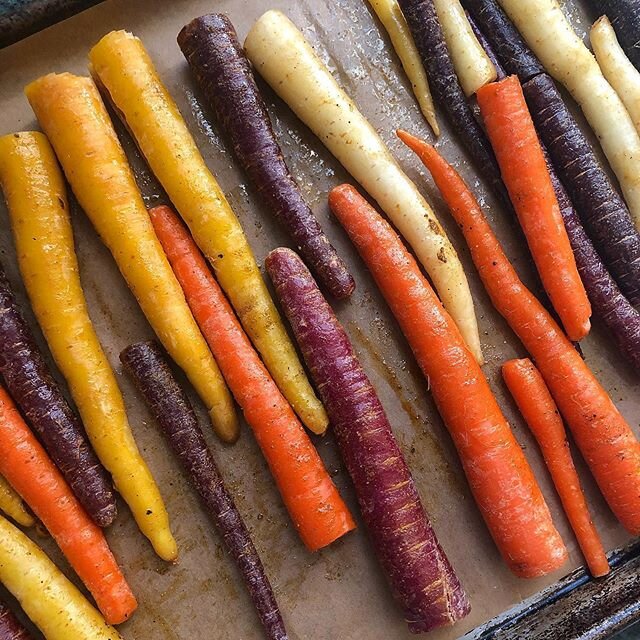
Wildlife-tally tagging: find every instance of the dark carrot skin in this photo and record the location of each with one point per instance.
(29, 381)
(506, 41)
(616, 312)
(499, 475)
(211, 47)
(602, 210)
(421, 578)
(10, 627)
(427, 33)
(147, 366)
(604, 437)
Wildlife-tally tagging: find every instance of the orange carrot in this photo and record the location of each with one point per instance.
(27, 467)
(525, 173)
(498, 472)
(541, 414)
(315, 506)
(606, 441)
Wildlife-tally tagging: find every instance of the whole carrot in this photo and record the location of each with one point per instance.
(10, 627)
(606, 441)
(541, 414)
(417, 569)
(24, 463)
(524, 171)
(498, 472)
(172, 410)
(308, 492)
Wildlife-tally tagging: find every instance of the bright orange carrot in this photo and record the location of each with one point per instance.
(606, 441)
(315, 506)
(541, 414)
(29, 470)
(498, 472)
(524, 171)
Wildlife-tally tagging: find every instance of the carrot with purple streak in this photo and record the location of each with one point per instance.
(421, 578)
(499, 475)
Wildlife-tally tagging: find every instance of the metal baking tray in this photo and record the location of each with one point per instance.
(338, 593)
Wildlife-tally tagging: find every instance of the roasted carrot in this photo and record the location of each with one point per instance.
(541, 414)
(12, 505)
(524, 171)
(499, 475)
(128, 76)
(10, 627)
(51, 601)
(309, 494)
(606, 441)
(29, 470)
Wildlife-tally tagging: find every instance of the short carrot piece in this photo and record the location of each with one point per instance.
(12, 505)
(606, 441)
(541, 414)
(309, 494)
(524, 171)
(499, 475)
(25, 464)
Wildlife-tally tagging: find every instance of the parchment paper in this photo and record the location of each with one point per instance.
(338, 593)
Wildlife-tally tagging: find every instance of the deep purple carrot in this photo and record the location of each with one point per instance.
(173, 412)
(608, 303)
(602, 210)
(211, 47)
(427, 33)
(29, 381)
(10, 627)
(419, 573)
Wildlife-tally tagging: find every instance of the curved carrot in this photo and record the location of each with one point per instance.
(12, 505)
(499, 475)
(25, 464)
(541, 414)
(309, 494)
(606, 441)
(525, 173)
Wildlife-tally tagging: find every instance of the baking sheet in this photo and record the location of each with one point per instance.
(338, 592)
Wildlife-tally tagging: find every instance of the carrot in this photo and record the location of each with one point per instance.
(524, 171)
(498, 472)
(541, 414)
(12, 505)
(10, 627)
(313, 502)
(25, 464)
(606, 441)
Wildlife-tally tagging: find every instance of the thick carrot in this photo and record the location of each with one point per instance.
(309, 494)
(524, 171)
(606, 441)
(541, 414)
(12, 505)
(498, 472)
(25, 464)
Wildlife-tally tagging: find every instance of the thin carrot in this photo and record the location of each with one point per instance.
(29, 470)
(525, 173)
(12, 505)
(499, 475)
(606, 441)
(541, 414)
(309, 494)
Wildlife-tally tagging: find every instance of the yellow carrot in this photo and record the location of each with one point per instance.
(71, 112)
(12, 505)
(44, 242)
(50, 600)
(123, 67)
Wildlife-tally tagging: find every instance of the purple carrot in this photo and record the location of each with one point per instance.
(602, 210)
(173, 412)
(211, 47)
(10, 627)
(427, 33)
(506, 42)
(615, 311)
(29, 381)
(419, 573)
